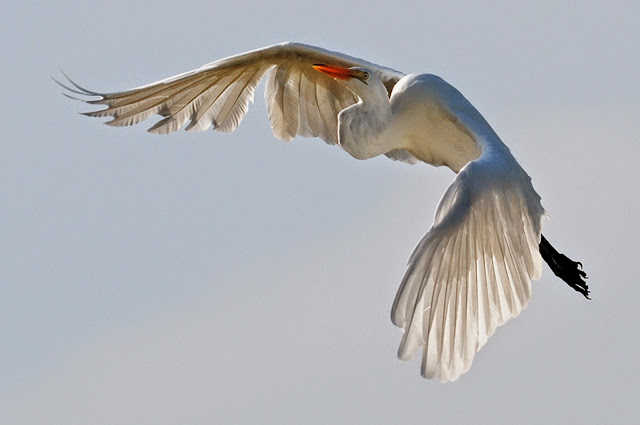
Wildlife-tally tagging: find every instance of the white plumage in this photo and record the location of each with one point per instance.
(472, 270)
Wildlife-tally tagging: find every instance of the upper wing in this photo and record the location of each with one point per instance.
(300, 100)
(472, 270)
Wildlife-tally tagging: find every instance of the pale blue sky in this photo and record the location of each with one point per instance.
(233, 278)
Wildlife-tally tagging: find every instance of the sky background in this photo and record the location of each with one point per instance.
(236, 279)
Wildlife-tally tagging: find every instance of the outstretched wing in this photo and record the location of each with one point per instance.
(300, 100)
(472, 270)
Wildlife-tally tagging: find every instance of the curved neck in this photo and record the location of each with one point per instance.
(362, 126)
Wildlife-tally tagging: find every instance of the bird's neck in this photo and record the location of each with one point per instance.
(362, 127)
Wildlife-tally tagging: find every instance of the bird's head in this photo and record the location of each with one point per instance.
(361, 81)
(345, 75)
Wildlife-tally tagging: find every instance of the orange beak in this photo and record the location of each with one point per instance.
(335, 71)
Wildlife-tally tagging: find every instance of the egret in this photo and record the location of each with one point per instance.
(472, 270)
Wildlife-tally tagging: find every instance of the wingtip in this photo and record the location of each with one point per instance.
(75, 87)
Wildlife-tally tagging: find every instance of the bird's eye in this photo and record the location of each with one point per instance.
(365, 76)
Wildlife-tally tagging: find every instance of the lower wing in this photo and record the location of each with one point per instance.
(472, 270)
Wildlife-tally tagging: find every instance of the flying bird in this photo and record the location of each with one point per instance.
(472, 270)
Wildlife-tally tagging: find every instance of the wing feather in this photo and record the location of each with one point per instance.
(291, 103)
(233, 103)
(472, 270)
(204, 116)
(179, 110)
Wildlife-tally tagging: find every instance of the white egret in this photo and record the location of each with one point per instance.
(473, 268)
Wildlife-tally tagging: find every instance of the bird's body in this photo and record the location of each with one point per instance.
(472, 270)
(420, 119)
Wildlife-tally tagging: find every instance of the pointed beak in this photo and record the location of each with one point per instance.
(335, 71)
